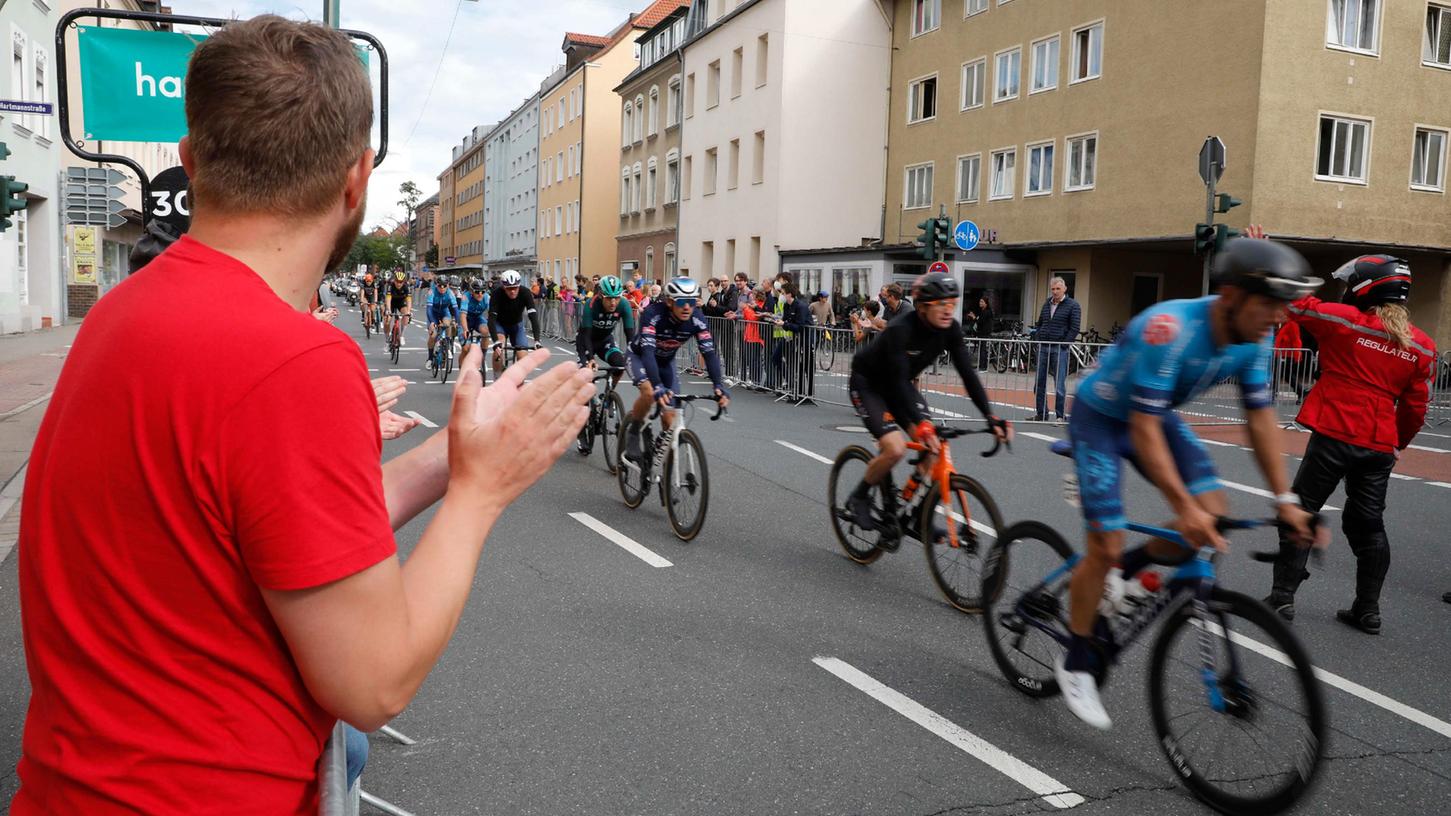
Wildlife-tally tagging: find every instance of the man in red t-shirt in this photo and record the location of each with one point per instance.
(208, 579)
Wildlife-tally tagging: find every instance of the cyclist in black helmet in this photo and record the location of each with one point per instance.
(882, 381)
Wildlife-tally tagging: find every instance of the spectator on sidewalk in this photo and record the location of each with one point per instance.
(754, 354)
(1289, 357)
(193, 636)
(981, 316)
(864, 321)
(712, 306)
(1057, 327)
(821, 313)
(893, 304)
(635, 295)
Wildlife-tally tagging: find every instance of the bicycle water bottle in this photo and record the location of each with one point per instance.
(910, 489)
(1113, 593)
(1137, 592)
(1070, 489)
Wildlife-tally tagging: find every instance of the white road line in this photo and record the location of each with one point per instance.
(1429, 450)
(1403, 477)
(1421, 433)
(1051, 790)
(27, 406)
(405, 369)
(804, 452)
(628, 544)
(1438, 484)
(1218, 444)
(1375, 698)
(1043, 437)
(565, 350)
(1257, 491)
(422, 420)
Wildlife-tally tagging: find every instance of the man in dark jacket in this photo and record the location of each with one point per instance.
(1057, 327)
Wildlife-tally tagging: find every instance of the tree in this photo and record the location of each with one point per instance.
(409, 201)
(431, 256)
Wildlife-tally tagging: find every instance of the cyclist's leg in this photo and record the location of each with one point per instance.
(432, 335)
(499, 340)
(641, 408)
(519, 339)
(672, 384)
(614, 358)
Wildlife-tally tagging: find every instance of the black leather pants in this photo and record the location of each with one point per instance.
(1366, 474)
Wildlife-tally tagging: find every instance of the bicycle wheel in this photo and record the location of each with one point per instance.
(686, 502)
(974, 515)
(998, 357)
(612, 425)
(631, 475)
(585, 442)
(1260, 754)
(1025, 582)
(860, 545)
(825, 354)
(367, 327)
(447, 360)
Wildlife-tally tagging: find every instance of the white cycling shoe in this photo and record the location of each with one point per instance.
(1080, 691)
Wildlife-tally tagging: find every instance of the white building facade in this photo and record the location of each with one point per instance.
(511, 190)
(32, 284)
(785, 131)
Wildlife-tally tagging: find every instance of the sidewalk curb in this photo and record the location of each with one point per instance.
(27, 406)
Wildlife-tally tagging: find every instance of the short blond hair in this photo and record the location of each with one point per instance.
(276, 113)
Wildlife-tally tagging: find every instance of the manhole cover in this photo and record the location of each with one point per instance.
(844, 428)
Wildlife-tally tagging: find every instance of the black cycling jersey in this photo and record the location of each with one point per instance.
(894, 357)
(509, 311)
(398, 291)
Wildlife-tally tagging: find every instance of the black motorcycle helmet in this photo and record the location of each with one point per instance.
(935, 286)
(1371, 280)
(1261, 267)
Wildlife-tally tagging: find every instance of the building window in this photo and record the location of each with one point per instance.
(1045, 65)
(969, 178)
(734, 165)
(1437, 48)
(1082, 159)
(654, 124)
(918, 193)
(1352, 24)
(42, 123)
(922, 99)
(1344, 149)
(651, 176)
(672, 102)
(573, 162)
(707, 257)
(971, 7)
(728, 268)
(638, 193)
(974, 81)
(639, 133)
(738, 67)
(687, 178)
(1088, 53)
(1040, 169)
(690, 95)
(758, 166)
(1009, 70)
(649, 263)
(925, 15)
(763, 58)
(755, 259)
(712, 85)
(672, 177)
(1004, 168)
(625, 191)
(670, 260)
(559, 167)
(711, 170)
(1428, 160)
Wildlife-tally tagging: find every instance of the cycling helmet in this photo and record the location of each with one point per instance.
(368, 278)
(1262, 267)
(455, 281)
(682, 288)
(398, 274)
(935, 286)
(1371, 280)
(611, 287)
(476, 285)
(510, 278)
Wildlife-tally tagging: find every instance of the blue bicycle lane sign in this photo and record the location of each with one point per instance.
(966, 236)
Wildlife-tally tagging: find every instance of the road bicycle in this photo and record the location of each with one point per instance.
(606, 419)
(1013, 352)
(951, 513)
(369, 317)
(674, 461)
(825, 349)
(444, 343)
(507, 354)
(1202, 666)
(395, 334)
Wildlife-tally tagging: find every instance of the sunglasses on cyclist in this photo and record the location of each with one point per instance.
(683, 302)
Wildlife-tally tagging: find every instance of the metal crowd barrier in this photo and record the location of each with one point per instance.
(814, 365)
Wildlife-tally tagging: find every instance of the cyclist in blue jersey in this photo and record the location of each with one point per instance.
(1169, 354)
(442, 310)
(664, 328)
(476, 308)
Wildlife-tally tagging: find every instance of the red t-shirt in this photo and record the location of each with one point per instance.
(205, 439)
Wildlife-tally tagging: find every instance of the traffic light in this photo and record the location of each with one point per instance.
(10, 200)
(1223, 234)
(942, 232)
(1203, 238)
(1224, 202)
(927, 241)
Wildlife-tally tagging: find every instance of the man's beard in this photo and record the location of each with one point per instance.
(347, 235)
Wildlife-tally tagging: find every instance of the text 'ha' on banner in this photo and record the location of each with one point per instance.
(132, 83)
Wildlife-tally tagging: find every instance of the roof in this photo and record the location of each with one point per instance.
(657, 11)
(585, 39)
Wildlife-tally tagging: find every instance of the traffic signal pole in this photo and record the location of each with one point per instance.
(332, 13)
(1208, 219)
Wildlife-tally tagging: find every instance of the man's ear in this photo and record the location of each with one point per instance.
(356, 187)
(183, 149)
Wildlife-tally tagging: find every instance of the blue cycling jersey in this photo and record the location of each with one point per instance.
(1167, 357)
(661, 335)
(441, 305)
(477, 306)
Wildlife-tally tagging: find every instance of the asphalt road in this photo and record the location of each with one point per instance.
(762, 672)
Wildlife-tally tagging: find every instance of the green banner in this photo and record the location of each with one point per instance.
(133, 83)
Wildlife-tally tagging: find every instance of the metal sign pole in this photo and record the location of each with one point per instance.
(1208, 219)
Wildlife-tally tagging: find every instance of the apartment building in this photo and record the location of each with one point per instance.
(461, 193)
(511, 190)
(651, 113)
(784, 131)
(424, 229)
(1069, 133)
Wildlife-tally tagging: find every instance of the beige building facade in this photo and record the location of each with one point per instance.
(651, 108)
(467, 220)
(1069, 133)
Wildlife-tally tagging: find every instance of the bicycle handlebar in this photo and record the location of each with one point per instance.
(945, 432)
(679, 398)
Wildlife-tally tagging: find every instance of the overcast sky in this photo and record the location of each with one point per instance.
(499, 53)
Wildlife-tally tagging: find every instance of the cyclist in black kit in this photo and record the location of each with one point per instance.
(508, 304)
(883, 373)
(400, 301)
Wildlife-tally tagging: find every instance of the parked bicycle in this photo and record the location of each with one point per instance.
(1014, 353)
(674, 461)
(951, 513)
(606, 420)
(1203, 670)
